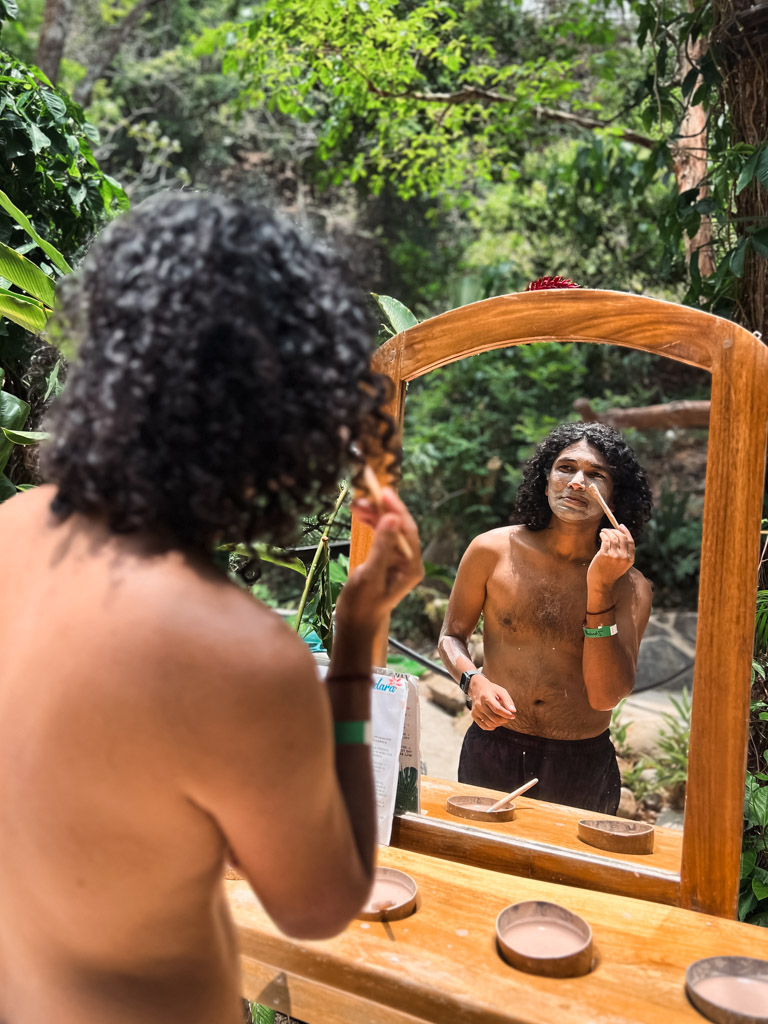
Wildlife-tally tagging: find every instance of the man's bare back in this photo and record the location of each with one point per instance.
(115, 869)
(138, 709)
(153, 716)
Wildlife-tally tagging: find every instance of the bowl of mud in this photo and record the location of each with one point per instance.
(617, 836)
(729, 989)
(544, 938)
(392, 897)
(478, 808)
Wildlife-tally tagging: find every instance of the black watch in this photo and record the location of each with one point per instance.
(465, 678)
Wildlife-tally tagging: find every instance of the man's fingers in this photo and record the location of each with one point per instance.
(392, 503)
(505, 701)
(497, 708)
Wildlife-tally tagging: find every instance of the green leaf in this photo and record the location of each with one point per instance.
(37, 137)
(761, 172)
(24, 274)
(283, 560)
(337, 573)
(22, 310)
(760, 883)
(50, 250)
(55, 104)
(25, 436)
(268, 554)
(13, 414)
(91, 132)
(398, 315)
(7, 489)
(262, 1014)
(747, 902)
(748, 861)
(758, 805)
(738, 255)
(747, 172)
(52, 383)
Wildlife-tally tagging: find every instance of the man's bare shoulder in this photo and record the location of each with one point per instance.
(206, 618)
(495, 542)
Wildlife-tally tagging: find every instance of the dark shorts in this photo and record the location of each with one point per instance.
(578, 773)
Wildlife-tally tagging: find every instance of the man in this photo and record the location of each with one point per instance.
(563, 615)
(153, 716)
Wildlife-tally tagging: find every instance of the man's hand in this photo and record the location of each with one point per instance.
(492, 705)
(615, 556)
(387, 575)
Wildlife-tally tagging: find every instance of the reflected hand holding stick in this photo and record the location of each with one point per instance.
(593, 490)
(511, 796)
(374, 490)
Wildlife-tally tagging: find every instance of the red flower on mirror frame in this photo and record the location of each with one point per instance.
(551, 282)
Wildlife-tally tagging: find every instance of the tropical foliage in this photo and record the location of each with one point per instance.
(440, 99)
(53, 197)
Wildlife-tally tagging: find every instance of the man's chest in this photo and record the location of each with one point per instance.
(531, 600)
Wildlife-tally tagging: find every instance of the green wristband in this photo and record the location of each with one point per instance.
(602, 631)
(350, 733)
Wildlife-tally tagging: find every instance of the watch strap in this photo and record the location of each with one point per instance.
(466, 677)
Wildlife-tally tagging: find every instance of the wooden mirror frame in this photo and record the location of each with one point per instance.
(738, 363)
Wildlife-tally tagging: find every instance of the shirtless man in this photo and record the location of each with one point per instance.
(154, 716)
(563, 615)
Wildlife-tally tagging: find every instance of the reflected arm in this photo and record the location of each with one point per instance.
(465, 608)
(609, 663)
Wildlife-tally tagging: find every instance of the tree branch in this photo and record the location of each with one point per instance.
(111, 46)
(473, 94)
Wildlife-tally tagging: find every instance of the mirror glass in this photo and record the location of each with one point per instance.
(468, 428)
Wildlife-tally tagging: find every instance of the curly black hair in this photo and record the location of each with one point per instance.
(223, 382)
(632, 501)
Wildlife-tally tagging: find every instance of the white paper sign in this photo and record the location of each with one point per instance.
(389, 698)
(395, 725)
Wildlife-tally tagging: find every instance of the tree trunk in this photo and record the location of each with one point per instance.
(648, 417)
(689, 159)
(53, 36)
(741, 32)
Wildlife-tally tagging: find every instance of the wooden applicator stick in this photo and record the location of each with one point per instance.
(593, 490)
(511, 796)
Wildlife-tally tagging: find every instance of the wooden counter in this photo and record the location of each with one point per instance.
(441, 965)
(541, 842)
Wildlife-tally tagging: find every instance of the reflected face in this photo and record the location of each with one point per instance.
(574, 469)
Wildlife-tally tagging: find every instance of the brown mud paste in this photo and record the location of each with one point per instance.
(742, 995)
(543, 938)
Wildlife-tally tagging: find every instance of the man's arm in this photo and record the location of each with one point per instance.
(296, 808)
(491, 704)
(620, 598)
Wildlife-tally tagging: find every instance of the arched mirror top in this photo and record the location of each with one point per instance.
(738, 362)
(598, 317)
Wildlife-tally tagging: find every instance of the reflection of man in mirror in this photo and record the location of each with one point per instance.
(563, 615)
